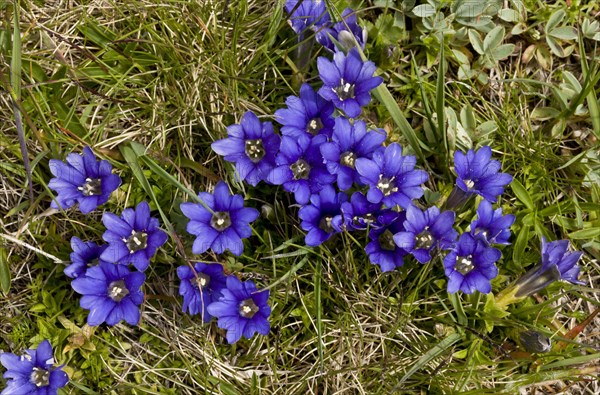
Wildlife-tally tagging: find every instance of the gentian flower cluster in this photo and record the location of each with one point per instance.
(343, 177)
(101, 273)
(220, 222)
(33, 372)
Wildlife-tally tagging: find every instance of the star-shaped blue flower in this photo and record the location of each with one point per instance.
(83, 180)
(33, 372)
(242, 310)
(111, 292)
(557, 263)
(382, 250)
(221, 224)
(391, 177)
(490, 225)
(478, 174)
(252, 146)
(358, 214)
(426, 231)
(309, 14)
(344, 32)
(471, 265)
(200, 287)
(318, 217)
(300, 167)
(307, 115)
(349, 143)
(347, 81)
(133, 238)
(84, 255)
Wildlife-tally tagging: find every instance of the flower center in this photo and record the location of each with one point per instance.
(248, 308)
(424, 240)
(345, 90)
(464, 265)
(202, 280)
(314, 126)
(255, 150)
(40, 377)
(386, 185)
(300, 169)
(363, 220)
(325, 224)
(348, 158)
(92, 186)
(137, 241)
(470, 184)
(386, 241)
(220, 220)
(117, 290)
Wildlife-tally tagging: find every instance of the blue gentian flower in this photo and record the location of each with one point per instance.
(349, 142)
(132, 238)
(252, 146)
(83, 180)
(310, 14)
(557, 263)
(426, 231)
(391, 177)
(471, 265)
(33, 373)
(242, 310)
(318, 217)
(307, 115)
(300, 167)
(200, 287)
(222, 224)
(357, 214)
(111, 292)
(478, 174)
(490, 225)
(347, 81)
(84, 255)
(382, 250)
(344, 32)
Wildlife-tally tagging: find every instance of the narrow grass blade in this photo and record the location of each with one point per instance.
(440, 103)
(132, 159)
(4, 271)
(437, 350)
(383, 95)
(318, 307)
(15, 82)
(592, 100)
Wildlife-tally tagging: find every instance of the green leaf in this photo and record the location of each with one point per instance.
(564, 33)
(493, 39)
(522, 194)
(423, 10)
(585, 234)
(544, 113)
(471, 9)
(503, 51)
(437, 350)
(476, 42)
(508, 15)
(520, 244)
(554, 20)
(4, 271)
